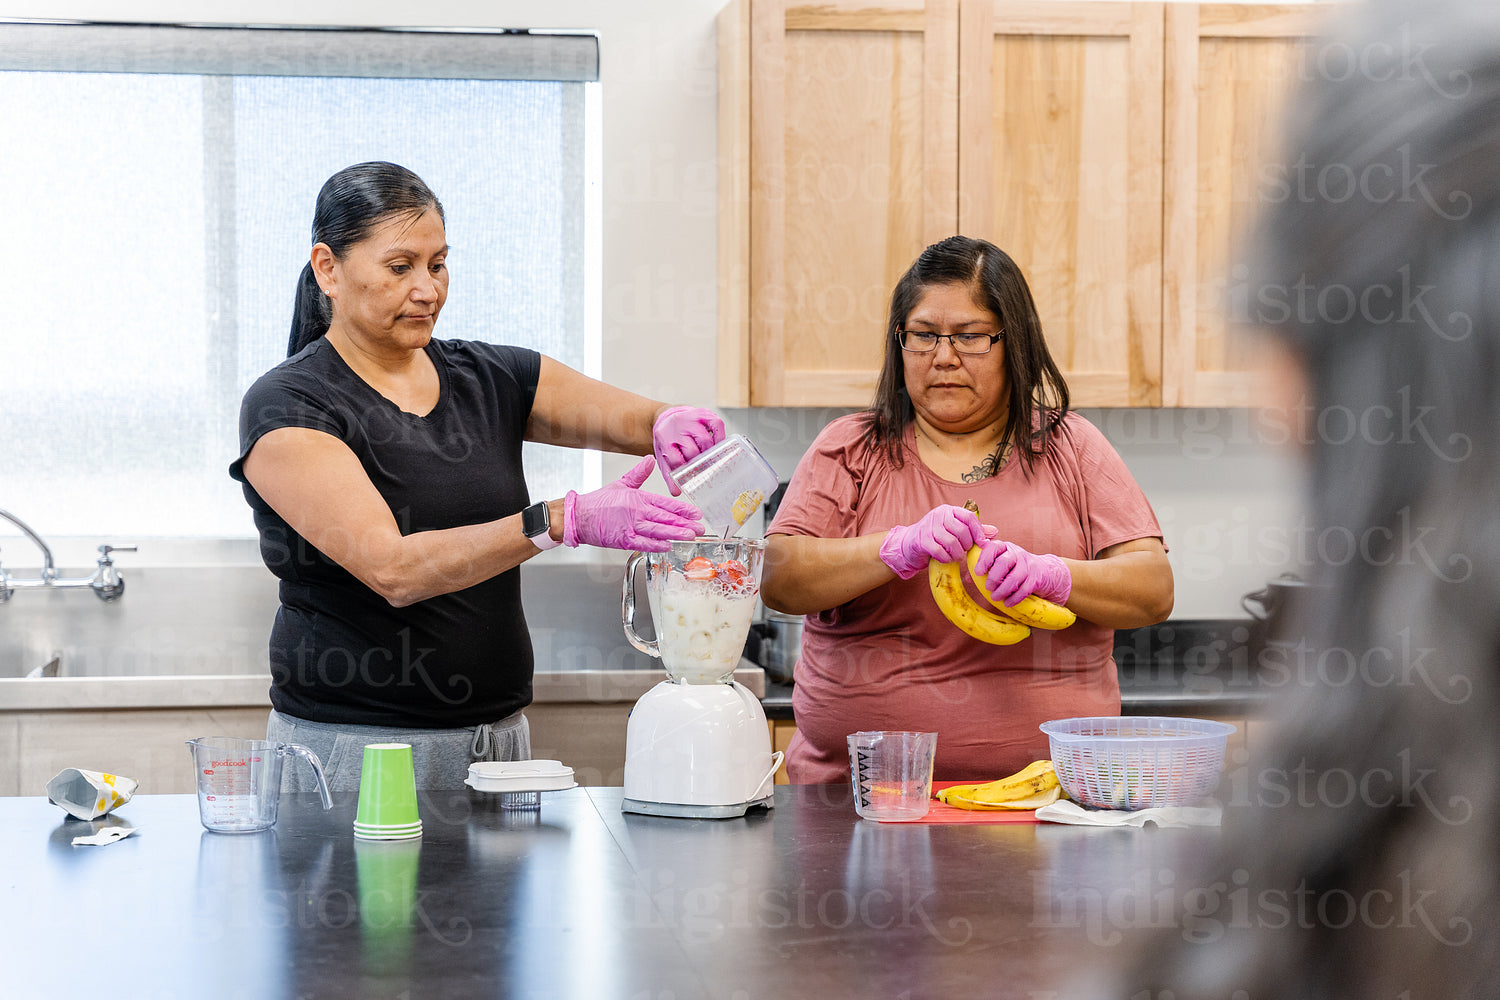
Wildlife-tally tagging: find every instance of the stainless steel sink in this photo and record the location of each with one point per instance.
(48, 669)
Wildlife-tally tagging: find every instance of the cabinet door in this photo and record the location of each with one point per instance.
(1230, 69)
(1060, 123)
(782, 732)
(852, 124)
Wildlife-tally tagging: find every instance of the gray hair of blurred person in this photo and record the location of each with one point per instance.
(1367, 822)
(350, 205)
(996, 282)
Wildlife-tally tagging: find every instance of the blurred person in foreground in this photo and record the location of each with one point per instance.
(1366, 862)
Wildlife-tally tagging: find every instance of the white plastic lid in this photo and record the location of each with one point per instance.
(520, 776)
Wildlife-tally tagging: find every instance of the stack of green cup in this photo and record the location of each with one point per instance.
(387, 794)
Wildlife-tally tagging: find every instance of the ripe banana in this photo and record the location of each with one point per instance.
(1034, 802)
(947, 584)
(1030, 610)
(1033, 786)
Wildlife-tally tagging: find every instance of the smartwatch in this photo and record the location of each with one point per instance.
(536, 523)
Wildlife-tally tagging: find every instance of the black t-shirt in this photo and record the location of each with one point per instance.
(339, 652)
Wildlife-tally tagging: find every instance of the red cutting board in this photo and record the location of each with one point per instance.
(940, 813)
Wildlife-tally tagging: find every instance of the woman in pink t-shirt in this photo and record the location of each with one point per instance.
(969, 406)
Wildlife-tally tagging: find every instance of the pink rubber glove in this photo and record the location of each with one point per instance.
(621, 516)
(680, 435)
(944, 533)
(1010, 573)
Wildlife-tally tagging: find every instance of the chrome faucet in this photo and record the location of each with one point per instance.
(49, 570)
(106, 582)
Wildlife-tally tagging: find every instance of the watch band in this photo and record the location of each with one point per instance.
(542, 538)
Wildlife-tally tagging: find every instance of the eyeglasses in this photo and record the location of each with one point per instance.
(924, 342)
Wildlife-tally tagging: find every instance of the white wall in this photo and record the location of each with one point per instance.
(1227, 503)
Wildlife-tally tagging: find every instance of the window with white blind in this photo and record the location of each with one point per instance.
(158, 187)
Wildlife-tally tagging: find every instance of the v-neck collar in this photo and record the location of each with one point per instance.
(438, 363)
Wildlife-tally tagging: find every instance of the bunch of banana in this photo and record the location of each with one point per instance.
(1032, 787)
(946, 582)
(1030, 610)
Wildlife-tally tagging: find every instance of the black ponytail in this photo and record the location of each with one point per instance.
(350, 203)
(310, 312)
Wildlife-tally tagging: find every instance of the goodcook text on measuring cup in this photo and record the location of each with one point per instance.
(239, 781)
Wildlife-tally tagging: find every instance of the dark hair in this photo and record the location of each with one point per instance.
(1393, 692)
(350, 204)
(996, 283)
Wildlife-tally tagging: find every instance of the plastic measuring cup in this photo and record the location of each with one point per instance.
(892, 773)
(728, 483)
(239, 781)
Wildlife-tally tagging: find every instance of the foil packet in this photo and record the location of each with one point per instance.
(89, 794)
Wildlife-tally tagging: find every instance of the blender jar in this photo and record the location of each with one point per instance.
(703, 596)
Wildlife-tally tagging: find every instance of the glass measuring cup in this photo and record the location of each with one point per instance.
(728, 483)
(703, 597)
(239, 781)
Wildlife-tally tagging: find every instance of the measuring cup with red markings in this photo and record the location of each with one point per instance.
(239, 781)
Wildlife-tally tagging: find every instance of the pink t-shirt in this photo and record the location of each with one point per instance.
(889, 659)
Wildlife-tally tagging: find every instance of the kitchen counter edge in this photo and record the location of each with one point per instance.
(253, 690)
(1133, 701)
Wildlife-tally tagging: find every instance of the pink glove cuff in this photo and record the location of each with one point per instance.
(1059, 582)
(570, 520)
(892, 555)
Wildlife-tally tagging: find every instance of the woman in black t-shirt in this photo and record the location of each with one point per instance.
(384, 471)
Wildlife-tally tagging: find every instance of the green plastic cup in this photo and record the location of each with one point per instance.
(387, 794)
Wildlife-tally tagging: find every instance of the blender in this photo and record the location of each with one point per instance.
(697, 744)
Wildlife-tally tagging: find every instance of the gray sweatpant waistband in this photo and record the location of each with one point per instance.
(488, 737)
(441, 757)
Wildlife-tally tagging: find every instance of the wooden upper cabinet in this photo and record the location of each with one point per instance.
(1229, 71)
(1060, 151)
(1116, 150)
(850, 115)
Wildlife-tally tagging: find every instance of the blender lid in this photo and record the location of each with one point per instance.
(520, 776)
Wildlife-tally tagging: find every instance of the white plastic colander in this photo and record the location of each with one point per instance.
(1137, 762)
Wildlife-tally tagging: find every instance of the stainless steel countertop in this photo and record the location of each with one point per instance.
(1202, 667)
(1135, 699)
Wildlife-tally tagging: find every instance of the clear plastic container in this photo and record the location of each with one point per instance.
(520, 800)
(728, 483)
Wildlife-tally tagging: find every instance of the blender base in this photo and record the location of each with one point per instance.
(730, 811)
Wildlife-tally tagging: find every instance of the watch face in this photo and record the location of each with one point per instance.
(534, 520)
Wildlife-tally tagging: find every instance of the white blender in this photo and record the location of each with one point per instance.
(697, 744)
